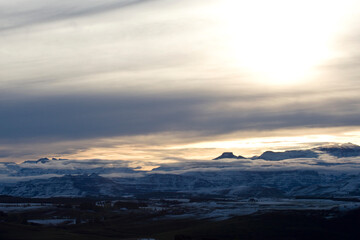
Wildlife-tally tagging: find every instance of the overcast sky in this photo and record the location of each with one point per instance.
(162, 79)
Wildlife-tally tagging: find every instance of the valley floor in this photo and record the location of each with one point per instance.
(179, 219)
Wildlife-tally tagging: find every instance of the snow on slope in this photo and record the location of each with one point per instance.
(67, 186)
(307, 173)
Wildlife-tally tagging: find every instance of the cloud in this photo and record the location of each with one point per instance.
(28, 13)
(106, 168)
(74, 73)
(325, 164)
(13, 179)
(81, 117)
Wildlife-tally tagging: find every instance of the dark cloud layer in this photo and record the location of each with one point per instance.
(80, 117)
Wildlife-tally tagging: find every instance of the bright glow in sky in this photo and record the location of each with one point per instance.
(281, 42)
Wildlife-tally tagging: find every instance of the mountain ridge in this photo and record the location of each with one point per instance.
(336, 150)
(308, 172)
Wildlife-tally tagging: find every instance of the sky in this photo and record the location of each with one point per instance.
(170, 80)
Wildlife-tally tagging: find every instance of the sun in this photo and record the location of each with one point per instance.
(279, 42)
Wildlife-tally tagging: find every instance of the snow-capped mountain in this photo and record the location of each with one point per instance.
(66, 186)
(224, 184)
(43, 160)
(341, 150)
(273, 174)
(336, 150)
(46, 166)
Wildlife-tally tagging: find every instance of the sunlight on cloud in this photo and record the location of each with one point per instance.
(255, 145)
(148, 151)
(281, 42)
(181, 45)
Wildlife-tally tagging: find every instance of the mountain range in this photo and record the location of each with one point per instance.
(336, 150)
(327, 171)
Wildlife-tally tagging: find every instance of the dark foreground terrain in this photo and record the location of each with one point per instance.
(138, 219)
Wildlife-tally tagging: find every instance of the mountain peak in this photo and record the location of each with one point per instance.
(40, 160)
(43, 160)
(228, 155)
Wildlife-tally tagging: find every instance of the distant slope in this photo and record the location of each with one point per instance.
(67, 186)
(276, 156)
(243, 184)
